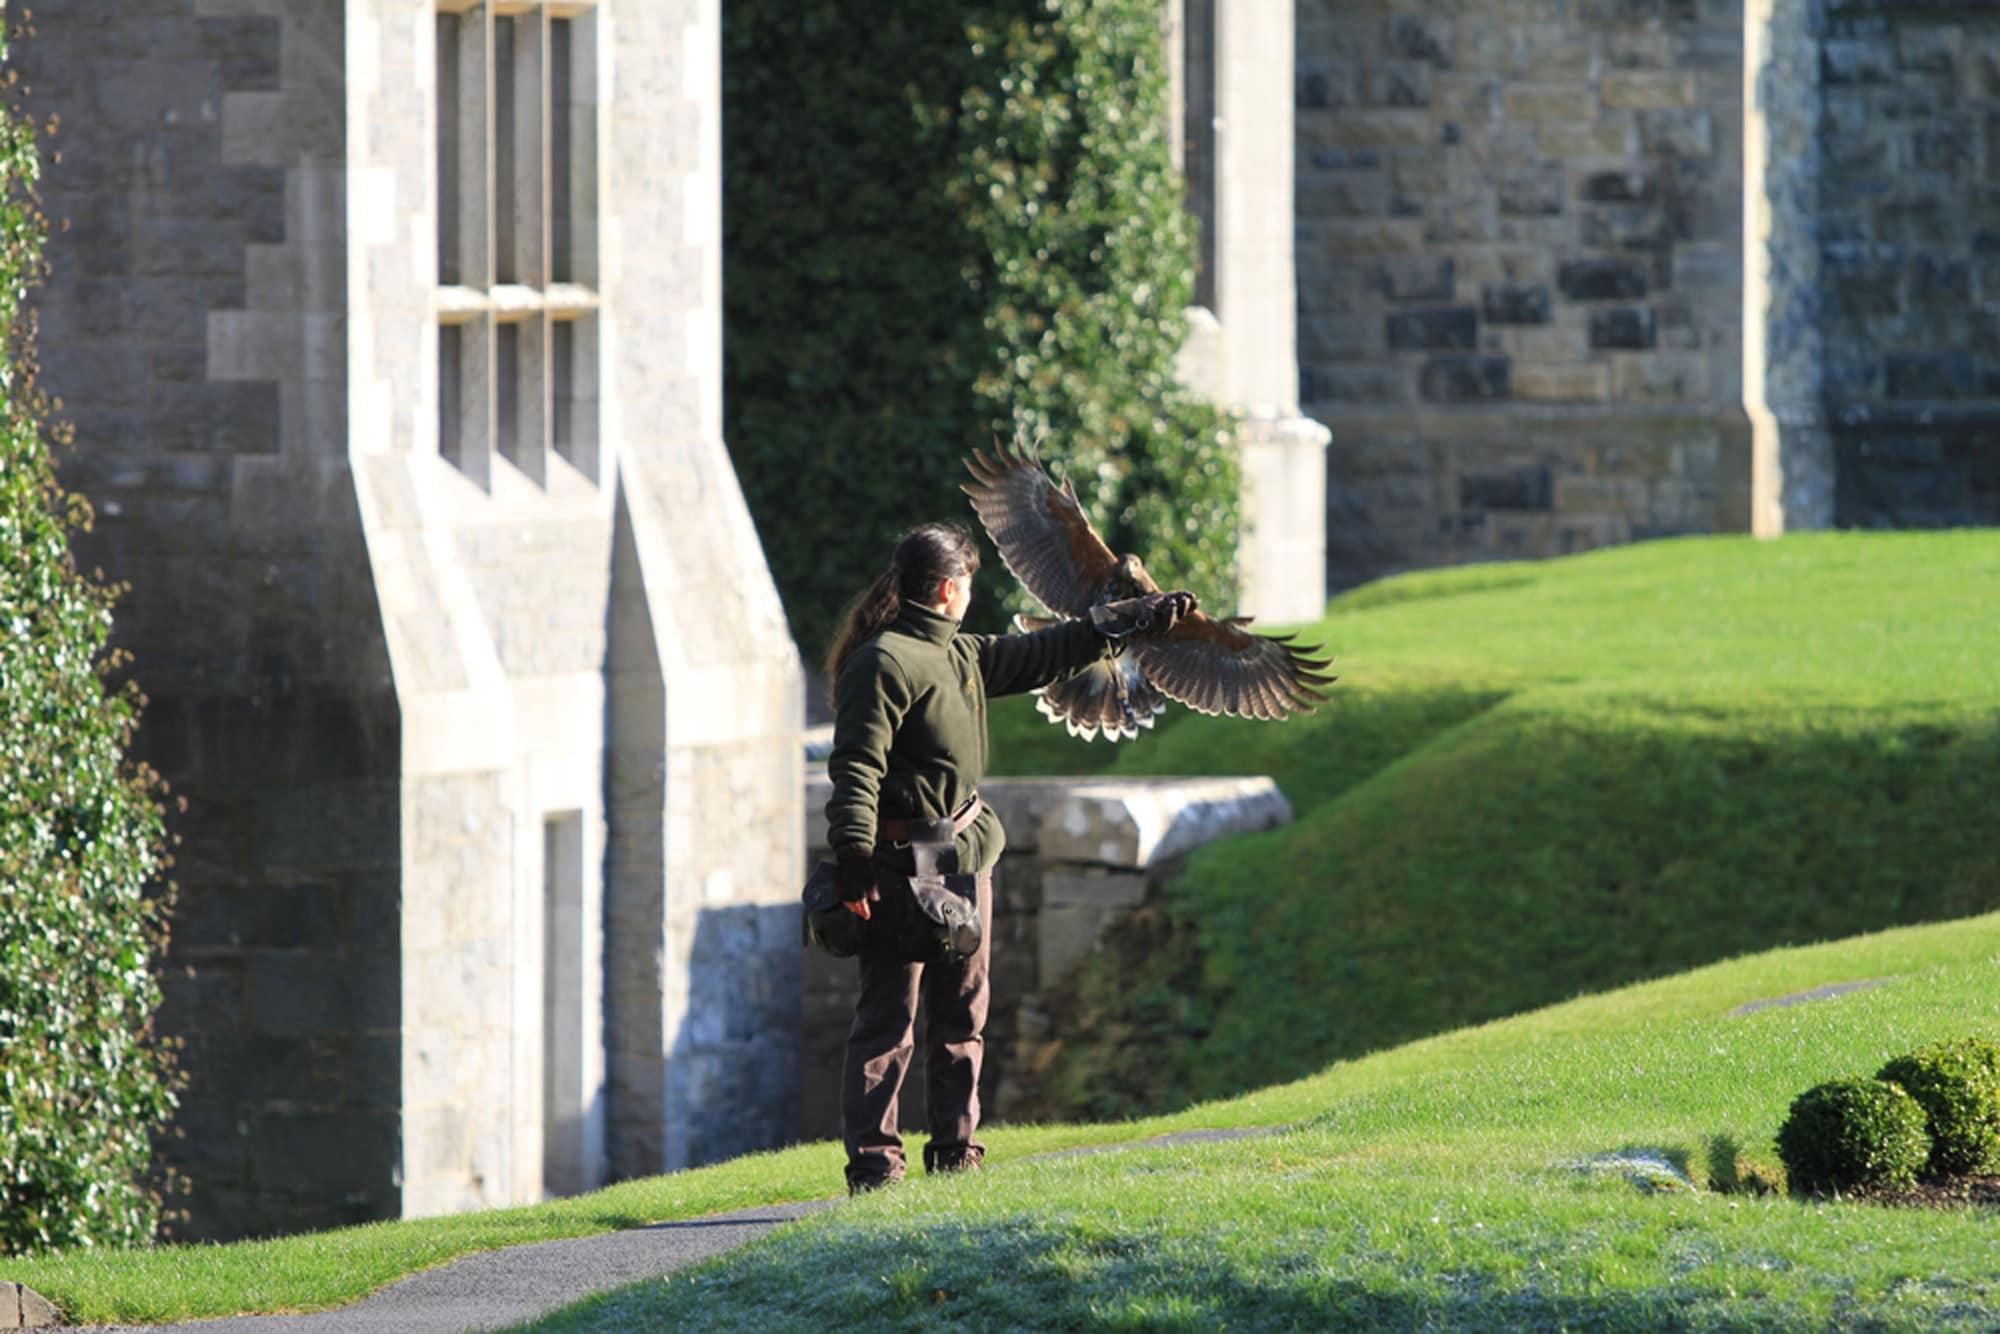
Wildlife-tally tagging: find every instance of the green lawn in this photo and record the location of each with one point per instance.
(1533, 782)
(1454, 1182)
(1540, 780)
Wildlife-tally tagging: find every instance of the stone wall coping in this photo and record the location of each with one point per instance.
(1134, 823)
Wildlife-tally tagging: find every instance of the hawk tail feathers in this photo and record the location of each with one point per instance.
(1112, 697)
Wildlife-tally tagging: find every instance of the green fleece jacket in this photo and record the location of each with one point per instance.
(909, 727)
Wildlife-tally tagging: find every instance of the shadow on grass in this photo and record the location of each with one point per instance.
(1730, 1172)
(1025, 1273)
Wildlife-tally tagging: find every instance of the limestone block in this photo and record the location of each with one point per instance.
(1319, 385)
(1508, 263)
(1465, 379)
(1660, 377)
(1679, 132)
(1067, 936)
(1621, 494)
(1592, 136)
(1092, 888)
(1562, 103)
(1141, 823)
(21, 1307)
(1341, 337)
(1356, 194)
(1648, 89)
(1473, 96)
(1579, 382)
(1355, 239)
(1365, 129)
(1424, 278)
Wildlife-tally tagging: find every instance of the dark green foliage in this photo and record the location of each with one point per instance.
(1853, 1133)
(1958, 1085)
(83, 1083)
(946, 223)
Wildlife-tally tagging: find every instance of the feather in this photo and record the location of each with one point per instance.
(1040, 531)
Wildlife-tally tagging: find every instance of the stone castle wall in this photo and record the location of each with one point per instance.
(1909, 241)
(193, 325)
(1519, 278)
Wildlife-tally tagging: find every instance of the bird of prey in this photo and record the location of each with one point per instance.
(1212, 665)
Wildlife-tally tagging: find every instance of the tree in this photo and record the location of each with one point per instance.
(84, 1081)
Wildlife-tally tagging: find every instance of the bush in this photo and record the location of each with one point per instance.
(1852, 1134)
(946, 223)
(1958, 1085)
(83, 1085)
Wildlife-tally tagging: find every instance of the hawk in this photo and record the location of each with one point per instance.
(1212, 665)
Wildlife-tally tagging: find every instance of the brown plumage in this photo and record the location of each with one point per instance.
(1212, 665)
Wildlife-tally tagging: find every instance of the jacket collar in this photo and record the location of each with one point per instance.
(927, 624)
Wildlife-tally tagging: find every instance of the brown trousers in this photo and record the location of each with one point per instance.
(882, 1042)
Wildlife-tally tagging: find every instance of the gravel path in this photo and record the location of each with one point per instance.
(497, 1289)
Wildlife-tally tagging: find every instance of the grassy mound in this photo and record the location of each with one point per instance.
(1541, 780)
(1579, 1167)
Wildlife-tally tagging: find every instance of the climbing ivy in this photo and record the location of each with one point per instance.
(945, 224)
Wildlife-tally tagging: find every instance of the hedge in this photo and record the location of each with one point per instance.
(1957, 1083)
(1853, 1134)
(942, 224)
(83, 1082)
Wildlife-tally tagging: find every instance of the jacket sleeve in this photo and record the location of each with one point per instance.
(1016, 664)
(871, 697)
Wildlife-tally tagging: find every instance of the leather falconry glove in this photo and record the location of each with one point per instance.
(1149, 614)
(857, 881)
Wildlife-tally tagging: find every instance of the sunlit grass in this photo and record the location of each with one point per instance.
(1442, 1184)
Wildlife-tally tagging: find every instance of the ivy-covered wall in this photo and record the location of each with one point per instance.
(944, 223)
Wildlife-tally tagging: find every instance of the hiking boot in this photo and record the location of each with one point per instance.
(868, 1185)
(968, 1159)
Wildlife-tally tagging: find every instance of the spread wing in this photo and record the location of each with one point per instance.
(1040, 529)
(1216, 666)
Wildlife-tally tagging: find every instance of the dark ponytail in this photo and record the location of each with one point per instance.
(926, 556)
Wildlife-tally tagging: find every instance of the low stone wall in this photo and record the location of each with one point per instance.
(1081, 854)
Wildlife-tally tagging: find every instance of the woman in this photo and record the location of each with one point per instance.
(909, 748)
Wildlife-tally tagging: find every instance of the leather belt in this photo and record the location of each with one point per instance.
(930, 831)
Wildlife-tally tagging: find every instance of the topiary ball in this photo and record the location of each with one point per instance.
(1851, 1134)
(1958, 1085)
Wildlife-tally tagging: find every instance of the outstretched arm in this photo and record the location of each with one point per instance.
(1016, 664)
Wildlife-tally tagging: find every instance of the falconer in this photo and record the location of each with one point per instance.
(909, 694)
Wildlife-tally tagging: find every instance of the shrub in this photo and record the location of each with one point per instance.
(1958, 1085)
(946, 223)
(83, 1085)
(1853, 1133)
